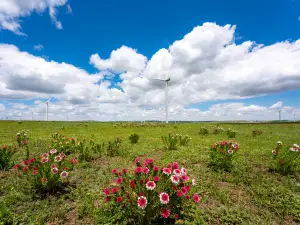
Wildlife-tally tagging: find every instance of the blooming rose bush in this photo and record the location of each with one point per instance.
(48, 171)
(149, 194)
(286, 159)
(6, 154)
(221, 154)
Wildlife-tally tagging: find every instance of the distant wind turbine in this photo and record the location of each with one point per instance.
(47, 105)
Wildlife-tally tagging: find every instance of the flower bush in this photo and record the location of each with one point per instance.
(231, 133)
(149, 194)
(286, 159)
(64, 144)
(221, 154)
(134, 138)
(113, 148)
(203, 131)
(183, 140)
(170, 141)
(6, 154)
(217, 130)
(48, 171)
(23, 141)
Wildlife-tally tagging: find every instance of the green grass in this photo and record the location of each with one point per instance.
(249, 194)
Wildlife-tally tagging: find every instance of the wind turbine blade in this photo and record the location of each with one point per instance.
(157, 79)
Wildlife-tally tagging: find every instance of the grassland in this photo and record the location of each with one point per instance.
(249, 194)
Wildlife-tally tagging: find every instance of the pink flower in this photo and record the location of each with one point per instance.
(183, 170)
(167, 171)
(230, 151)
(175, 165)
(44, 180)
(188, 188)
(57, 158)
(137, 160)
(150, 185)
(176, 216)
(165, 213)
(274, 152)
(150, 161)
(138, 170)
(54, 170)
(185, 178)
(53, 166)
(107, 199)
(25, 169)
(53, 151)
(145, 170)
(196, 198)
(114, 171)
(124, 170)
(177, 172)
(155, 168)
(34, 172)
(45, 155)
(45, 160)
(119, 180)
(114, 190)
(184, 190)
(142, 202)
(156, 178)
(164, 198)
(169, 166)
(194, 182)
(179, 193)
(119, 199)
(106, 191)
(64, 174)
(120, 174)
(174, 179)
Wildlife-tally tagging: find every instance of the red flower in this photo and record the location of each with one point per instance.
(169, 166)
(174, 187)
(188, 197)
(147, 179)
(155, 168)
(184, 190)
(145, 170)
(179, 193)
(165, 213)
(176, 216)
(107, 199)
(34, 172)
(142, 194)
(44, 180)
(119, 199)
(119, 180)
(167, 171)
(124, 170)
(114, 190)
(132, 184)
(106, 191)
(156, 178)
(114, 171)
(26, 162)
(184, 178)
(17, 166)
(164, 198)
(196, 198)
(175, 165)
(188, 188)
(141, 181)
(146, 163)
(138, 170)
(25, 169)
(120, 174)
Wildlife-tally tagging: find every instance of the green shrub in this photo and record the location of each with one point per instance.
(203, 131)
(231, 133)
(6, 154)
(134, 138)
(23, 141)
(285, 159)
(256, 133)
(183, 140)
(170, 141)
(217, 130)
(114, 148)
(221, 154)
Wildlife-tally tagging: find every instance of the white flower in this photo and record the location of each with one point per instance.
(53, 151)
(296, 146)
(194, 182)
(294, 149)
(177, 172)
(230, 151)
(279, 142)
(183, 171)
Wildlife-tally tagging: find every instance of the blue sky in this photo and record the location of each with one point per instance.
(148, 26)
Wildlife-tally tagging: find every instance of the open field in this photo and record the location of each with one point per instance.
(249, 194)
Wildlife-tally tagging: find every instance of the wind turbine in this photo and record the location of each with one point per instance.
(166, 80)
(47, 105)
(280, 111)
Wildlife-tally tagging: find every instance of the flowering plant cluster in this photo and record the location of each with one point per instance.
(286, 159)
(6, 154)
(183, 139)
(231, 133)
(22, 138)
(149, 194)
(63, 143)
(47, 172)
(170, 141)
(217, 130)
(221, 154)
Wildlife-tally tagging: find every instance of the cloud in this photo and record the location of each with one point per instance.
(11, 11)
(69, 9)
(38, 47)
